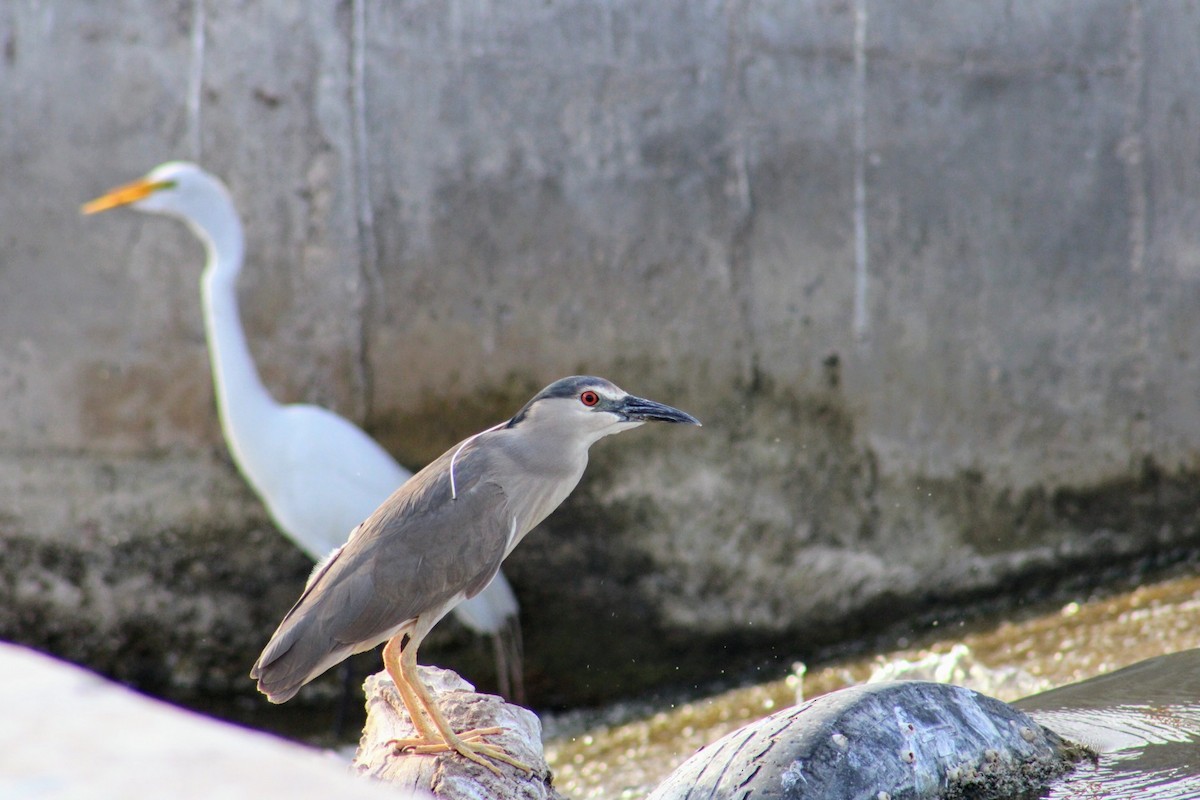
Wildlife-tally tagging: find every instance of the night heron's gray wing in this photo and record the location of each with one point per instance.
(420, 552)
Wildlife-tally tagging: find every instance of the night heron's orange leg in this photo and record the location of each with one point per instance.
(467, 744)
(391, 662)
(426, 733)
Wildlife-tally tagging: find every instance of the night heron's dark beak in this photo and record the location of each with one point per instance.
(638, 409)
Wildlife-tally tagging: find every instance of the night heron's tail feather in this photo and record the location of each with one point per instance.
(283, 667)
(337, 616)
(298, 652)
(326, 626)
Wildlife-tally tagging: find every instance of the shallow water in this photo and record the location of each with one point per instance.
(1144, 722)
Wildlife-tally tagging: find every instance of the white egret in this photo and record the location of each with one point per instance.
(318, 474)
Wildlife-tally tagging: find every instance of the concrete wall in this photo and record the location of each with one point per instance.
(927, 271)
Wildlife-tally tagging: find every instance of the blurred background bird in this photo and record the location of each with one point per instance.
(318, 474)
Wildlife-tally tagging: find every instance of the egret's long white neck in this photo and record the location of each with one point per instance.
(243, 403)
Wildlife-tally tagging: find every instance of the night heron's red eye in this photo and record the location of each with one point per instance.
(589, 398)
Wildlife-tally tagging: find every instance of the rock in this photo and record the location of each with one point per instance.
(908, 739)
(68, 734)
(450, 776)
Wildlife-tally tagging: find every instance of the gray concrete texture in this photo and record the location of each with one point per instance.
(927, 271)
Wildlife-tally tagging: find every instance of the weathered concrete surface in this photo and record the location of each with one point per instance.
(450, 776)
(67, 734)
(927, 272)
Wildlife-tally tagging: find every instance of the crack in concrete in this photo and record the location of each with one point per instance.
(371, 285)
(1131, 153)
(195, 87)
(860, 322)
(1131, 150)
(740, 269)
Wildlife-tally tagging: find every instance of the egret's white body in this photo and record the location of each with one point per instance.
(318, 474)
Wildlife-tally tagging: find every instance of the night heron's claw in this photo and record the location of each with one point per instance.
(426, 745)
(468, 744)
(497, 754)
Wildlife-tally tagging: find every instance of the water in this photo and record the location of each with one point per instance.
(1144, 721)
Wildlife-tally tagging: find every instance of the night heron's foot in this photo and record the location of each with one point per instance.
(426, 744)
(468, 744)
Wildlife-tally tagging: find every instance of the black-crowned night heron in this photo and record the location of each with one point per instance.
(440, 538)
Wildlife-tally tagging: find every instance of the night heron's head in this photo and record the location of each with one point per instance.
(587, 408)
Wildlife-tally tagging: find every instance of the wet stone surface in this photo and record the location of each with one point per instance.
(907, 739)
